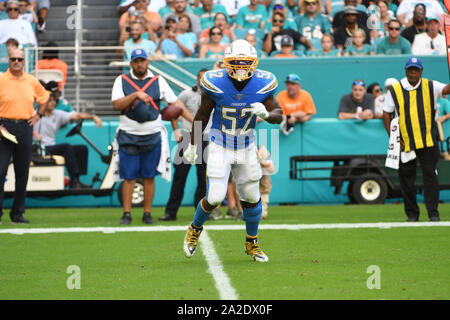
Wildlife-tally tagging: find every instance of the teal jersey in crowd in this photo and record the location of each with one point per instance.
(188, 39)
(364, 51)
(207, 18)
(147, 45)
(64, 105)
(320, 53)
(443, 106)
(402, 46)
(249, 19)
(313, 28)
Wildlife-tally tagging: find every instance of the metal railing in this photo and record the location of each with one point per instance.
(92, 71)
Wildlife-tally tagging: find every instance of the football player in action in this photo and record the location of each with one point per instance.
(235, 95)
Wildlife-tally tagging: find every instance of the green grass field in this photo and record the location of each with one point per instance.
(332, 263)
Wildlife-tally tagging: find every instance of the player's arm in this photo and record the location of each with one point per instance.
(274, 109)
(202, 116)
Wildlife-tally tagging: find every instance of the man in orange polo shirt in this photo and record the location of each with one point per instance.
(297, 104)
(18, 92)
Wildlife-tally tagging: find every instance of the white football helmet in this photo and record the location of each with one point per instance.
(240, 60)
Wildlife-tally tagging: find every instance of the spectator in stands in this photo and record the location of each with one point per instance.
(374, 89)
(442, 110)
(393, 44)
(55, 93)
(27, 12)
(13, 27)
(220, 21)
(419, 25)
(430, 42)
(75, 156)
(234, 6)
(18, 92)
(215, 49)
(379, 100)
(280, 6)
(207, 12)
(3, 14)
(358, 104)
(359, 48)
(251, 38)
(153, 6)
(151, 20)
(313, 24)
(328, 48)
(406, 10)
(378, 20)
(42, 12)
(252, 16)
(50, 61)
(180, 8)
(287, 49)
(136, 41)
(179, 40)
(10, 44)
(339, 16)
(343, 35)
(296, 103)
(272, 40)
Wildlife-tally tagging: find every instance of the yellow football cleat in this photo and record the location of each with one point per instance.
(252, 248)
(191, 240)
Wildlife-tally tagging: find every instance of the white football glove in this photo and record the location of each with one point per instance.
(260, 110)
(191, 154)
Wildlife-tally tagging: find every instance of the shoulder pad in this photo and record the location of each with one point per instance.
(211, 80)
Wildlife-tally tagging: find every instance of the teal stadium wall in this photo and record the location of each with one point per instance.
(327, 79)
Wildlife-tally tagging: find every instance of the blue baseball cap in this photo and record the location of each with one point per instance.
(138, 53)
(293, 78)
(414, 62)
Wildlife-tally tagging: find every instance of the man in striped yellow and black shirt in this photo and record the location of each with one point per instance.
(413, 100)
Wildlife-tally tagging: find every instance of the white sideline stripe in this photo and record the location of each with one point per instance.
(380, 225)
(215, 267)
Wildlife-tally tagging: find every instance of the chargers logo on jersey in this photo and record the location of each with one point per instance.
(233, 123)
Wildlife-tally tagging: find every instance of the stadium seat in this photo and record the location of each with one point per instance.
(49, 75)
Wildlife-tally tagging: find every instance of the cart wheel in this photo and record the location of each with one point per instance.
(369, 189)
(138, 194)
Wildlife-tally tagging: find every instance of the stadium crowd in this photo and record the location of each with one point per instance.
(284, 28)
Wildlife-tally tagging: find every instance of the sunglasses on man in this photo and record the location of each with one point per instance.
(12, 9)
(16, 59)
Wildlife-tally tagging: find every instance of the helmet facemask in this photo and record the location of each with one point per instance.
(240, 60)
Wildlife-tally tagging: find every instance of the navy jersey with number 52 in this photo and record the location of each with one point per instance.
(233, 124)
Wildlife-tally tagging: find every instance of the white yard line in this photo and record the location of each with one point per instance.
(215, 267)
(380, 225)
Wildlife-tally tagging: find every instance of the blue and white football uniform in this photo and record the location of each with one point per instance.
(232, 133)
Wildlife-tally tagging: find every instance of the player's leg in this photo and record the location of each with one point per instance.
(247, 177)
(218, 171)
(252, 212)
